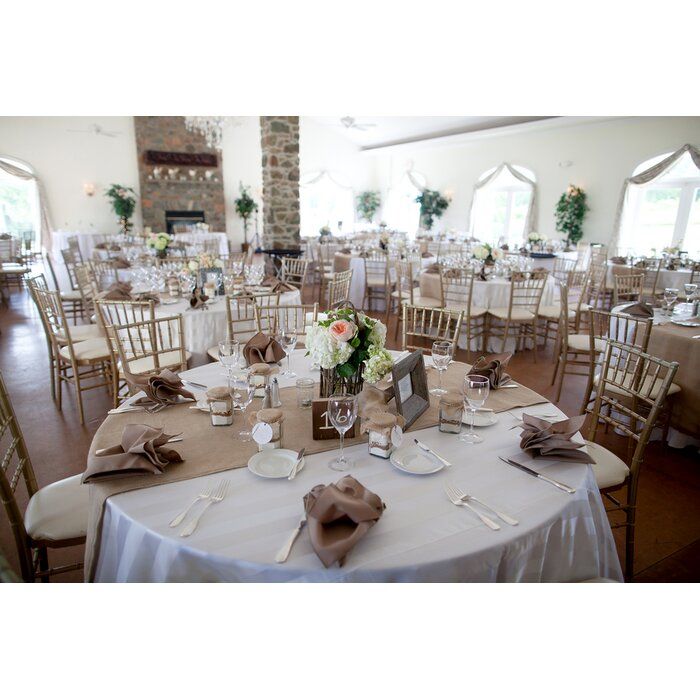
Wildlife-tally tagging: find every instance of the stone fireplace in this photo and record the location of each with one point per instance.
(181, 179)
(177, 221)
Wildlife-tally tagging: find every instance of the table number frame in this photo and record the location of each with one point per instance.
(410, 387)
(322, 427)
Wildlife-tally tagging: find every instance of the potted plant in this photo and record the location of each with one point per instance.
(368, 203)
(432, 206)
(571, 208)
(325, 232)
(123, 200)
(246, 206)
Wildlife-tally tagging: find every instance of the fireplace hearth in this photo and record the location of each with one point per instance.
(180, 221)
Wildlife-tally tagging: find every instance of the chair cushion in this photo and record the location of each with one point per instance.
(165, 359)
(582, 343)
(80, 333)
(431, 302)
(72, 295)
(609, 469)
(553, 312)
(90, 350)
(673, 389)
(375, 281)
(59, 511)
(516, 315)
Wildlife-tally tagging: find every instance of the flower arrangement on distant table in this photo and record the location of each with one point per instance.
(488, 254)
(324, 231)
(160, 242)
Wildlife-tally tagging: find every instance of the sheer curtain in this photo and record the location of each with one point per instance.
(326, 200)
(11, 167)
(644, 178)
(401, 211)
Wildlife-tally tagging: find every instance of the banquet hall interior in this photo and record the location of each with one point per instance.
(483, 331)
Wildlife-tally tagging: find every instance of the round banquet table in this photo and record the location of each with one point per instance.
(203, 329)
(421, 537)
(667, 278)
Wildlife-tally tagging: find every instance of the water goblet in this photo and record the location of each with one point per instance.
(476, 391)
(342, 413)
(442, 352)
(690, 289)
(287, 338)
(229, 354)
(670, 296)
(242, 391)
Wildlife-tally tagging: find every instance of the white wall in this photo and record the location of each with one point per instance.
(65, 160)
(602, 155)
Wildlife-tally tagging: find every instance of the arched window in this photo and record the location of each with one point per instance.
(20, 213)
(503, 205)
(664, 211)
(401, 211)
(326, 201)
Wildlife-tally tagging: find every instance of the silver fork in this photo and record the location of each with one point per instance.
(216, 497)
(454, 497)
(467, 497)
(179, 518)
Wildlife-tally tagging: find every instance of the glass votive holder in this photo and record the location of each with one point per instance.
(451, 406)
(305, 392)
(220, 405)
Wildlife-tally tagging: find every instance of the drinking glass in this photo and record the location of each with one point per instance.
(342, 412)
(442, 352)
(242, 390)
(690, 290)
(476, 391)
(229, 354)
(305, 392)
(670, 296)
(287, 338)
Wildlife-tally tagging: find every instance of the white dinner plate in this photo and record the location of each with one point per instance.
(687, 324)
(482, 419)
(415, 461)
(169, 301)
(274, 464)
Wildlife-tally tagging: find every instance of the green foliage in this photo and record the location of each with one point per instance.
(569, 214)
(245, 207)
(367, 204)
(432, 206)
(123, 200)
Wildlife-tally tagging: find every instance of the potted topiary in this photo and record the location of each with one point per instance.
(368, 204)
(246, 206)
(432, 206)
(571, 208)
(123, 204)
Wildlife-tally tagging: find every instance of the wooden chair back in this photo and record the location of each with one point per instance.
(339, 287)
(293, 271)
(526, 291)
(457, 286)
(422, 326)
(296, 317)
(628, 287)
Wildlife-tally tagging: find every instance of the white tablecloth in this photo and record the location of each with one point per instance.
(421, 536)
(204, 329)
(667, 278)
(548, 263)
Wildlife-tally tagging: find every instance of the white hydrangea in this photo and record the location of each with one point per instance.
(481, 252)
(497, 254)
(379, 364)
(377, 335)
(325, 350)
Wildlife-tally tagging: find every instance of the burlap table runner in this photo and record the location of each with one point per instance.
(206, 449)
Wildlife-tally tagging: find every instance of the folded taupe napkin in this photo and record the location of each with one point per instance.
(426, 254)
(452, 272)
(262, 348)
(434, 268)
(198, 298)
(494, 368)
(162, 388)
(115, 247)
(141, 451)
(618, 260)
(277, 285)
(121, 263)
(639, 309)
(100, 246)
(540, 438)
(119, 291)
(346, 251)
(339, 516)
(147, 296)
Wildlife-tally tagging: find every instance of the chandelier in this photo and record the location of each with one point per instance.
(212, 128)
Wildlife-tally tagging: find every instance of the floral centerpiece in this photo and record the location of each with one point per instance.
(488, 254)
(160, 242)
(325, 232)
(123, 204)
(349, 347)
(536, 240)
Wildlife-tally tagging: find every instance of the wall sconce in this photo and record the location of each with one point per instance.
(89, 189)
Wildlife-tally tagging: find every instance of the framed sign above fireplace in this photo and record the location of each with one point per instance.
(205, 160)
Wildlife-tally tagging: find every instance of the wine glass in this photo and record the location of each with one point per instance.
(690, 290)
(342, 412)
(476, 391)
(670, 296)
(242, 390)
(442, 355)
(287, 338)
(229, 354)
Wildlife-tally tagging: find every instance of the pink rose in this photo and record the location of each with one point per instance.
(342, 331)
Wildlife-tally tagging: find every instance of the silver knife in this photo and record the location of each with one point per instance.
(195, 384)
(282, 555)
(293, 471)
(532, 472)
(423, 446)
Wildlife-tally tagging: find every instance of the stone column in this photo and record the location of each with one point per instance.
(280, 171)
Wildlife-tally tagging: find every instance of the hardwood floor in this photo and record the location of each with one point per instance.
(668, 529)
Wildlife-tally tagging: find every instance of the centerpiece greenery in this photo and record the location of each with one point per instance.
(123, 200)
(432, 206)
(160, 242)
(246, 206)
(569, 214)
(368, 204)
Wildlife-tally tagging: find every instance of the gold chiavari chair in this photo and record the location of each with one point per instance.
(627, 288)
(293, 271)
(377, 278)
(576, 284)
(104, 272)
(86, 364)
(599, 255)
(457, 286)
(88, 288)
(561, 269)
(434, 248)
(147, 347)
(56, 515)
(633, 389)
(598, 291)
(295, 318)
(338, 288)
(406, 291)
(210, 246)
(70, 260)
(652, 270)
(423, 325)
(39, 282)
(74, 248)
(521, 316)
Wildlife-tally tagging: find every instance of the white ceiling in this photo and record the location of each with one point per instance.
(393, 130)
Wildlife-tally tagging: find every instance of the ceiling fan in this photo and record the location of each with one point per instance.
(351, 123)
(97, 130)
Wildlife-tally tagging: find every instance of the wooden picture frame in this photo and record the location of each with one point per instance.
(204, 271)
(410, 388)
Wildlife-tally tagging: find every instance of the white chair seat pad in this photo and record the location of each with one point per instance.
(376, 281)
(90, 350)
(517, 314)
(59, 511)
(553, 312)
(673, 389)
(582, 343)
(80, 333)
(72, 295)
(609, 469)
(165, 359)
